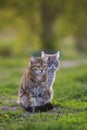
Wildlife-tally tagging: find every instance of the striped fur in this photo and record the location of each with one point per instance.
(53, 64)
(33, 89)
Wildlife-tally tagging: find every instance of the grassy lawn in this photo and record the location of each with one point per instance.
(70, 99)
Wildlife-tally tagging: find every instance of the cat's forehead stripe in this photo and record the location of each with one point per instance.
(51, 58)
(39, 60)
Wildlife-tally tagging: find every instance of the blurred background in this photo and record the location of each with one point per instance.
(29, 26)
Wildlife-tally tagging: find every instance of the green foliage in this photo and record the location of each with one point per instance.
(70, 99)
(40, 17)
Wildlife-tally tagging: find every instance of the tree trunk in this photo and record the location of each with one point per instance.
(48, 17)
(81, 44)
(81, 41)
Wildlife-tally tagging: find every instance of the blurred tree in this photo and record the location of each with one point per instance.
(48, 11)
(77, 17)
(41, 15)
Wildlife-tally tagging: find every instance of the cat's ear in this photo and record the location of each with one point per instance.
(58, 55)
(45, 58)
(43, 54)
(31, 59)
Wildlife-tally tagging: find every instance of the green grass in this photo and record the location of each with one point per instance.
(70, 99)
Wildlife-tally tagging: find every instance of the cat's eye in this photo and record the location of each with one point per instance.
(44, 65)
(38, 66)
(56, 64)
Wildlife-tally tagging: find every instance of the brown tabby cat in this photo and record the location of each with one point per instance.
(33, 90)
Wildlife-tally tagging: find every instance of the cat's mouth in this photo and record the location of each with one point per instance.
(39, 71)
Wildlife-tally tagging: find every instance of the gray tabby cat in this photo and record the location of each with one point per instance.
(53, 64)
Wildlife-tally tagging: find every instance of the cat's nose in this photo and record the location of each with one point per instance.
(41, 70)
(52, 67)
